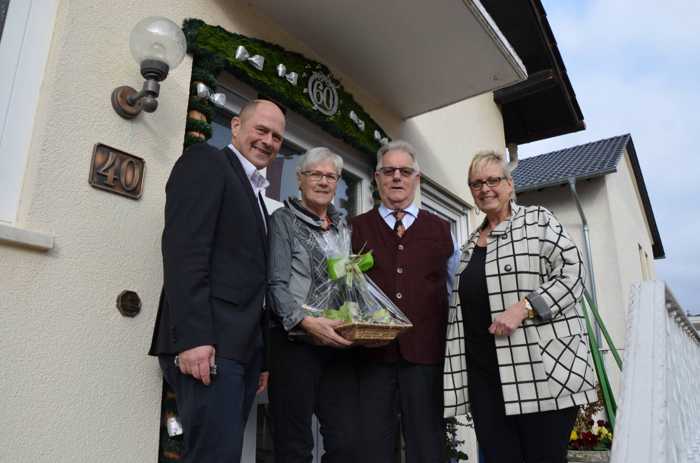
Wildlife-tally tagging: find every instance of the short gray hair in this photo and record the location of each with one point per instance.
(482, 158)
(397, 145)
(318, 155)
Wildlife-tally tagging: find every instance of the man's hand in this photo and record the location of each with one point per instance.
(323, 331)
(263, 381)
(506, 322)
(196, 362)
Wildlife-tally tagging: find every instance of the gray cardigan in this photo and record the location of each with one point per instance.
(296, 262)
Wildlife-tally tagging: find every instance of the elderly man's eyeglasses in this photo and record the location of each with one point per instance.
(404, 171)
(491, 182)
(316, 176)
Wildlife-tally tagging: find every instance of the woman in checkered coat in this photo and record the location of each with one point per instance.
(517, 354)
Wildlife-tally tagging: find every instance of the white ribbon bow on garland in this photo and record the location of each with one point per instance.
(358, 122)
(219, 99)
(379, 138)
(257, 61)
(292, 77)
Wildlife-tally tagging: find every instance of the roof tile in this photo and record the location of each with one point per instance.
(583, 161)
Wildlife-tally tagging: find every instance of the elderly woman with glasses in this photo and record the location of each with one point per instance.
(310, 372)
(517, 354)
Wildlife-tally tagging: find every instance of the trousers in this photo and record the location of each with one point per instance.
(411, 393)
(213, 417)
(531, 438)
(305, 380)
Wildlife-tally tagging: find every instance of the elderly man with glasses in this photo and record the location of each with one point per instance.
(414, 253)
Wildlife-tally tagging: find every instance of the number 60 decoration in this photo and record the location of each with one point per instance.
(322, 94)
(116, 171)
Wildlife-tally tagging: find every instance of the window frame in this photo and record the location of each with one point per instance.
(24, 51)
(436, 200)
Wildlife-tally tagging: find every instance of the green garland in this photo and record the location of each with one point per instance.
(199, 74)
(201, 105)
(214, 48)
(203, 127)
(191, 139)
(170, 447)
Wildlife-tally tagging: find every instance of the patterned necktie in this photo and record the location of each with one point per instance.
(399, 228)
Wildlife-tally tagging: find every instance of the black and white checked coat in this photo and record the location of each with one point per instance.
(545, 364)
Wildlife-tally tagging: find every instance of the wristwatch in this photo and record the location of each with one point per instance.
(530, 311)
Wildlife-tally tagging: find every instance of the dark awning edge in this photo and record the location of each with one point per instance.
(544, 105)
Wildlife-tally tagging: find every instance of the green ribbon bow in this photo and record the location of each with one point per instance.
(339, 267)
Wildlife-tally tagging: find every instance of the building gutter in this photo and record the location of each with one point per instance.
(512, 163)
(512, 158)
(589, 253)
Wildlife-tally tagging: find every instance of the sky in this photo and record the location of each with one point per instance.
(635, 68)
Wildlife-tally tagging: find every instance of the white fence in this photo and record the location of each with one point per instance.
(658, 420)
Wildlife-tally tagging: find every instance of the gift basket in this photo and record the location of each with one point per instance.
(370, 317)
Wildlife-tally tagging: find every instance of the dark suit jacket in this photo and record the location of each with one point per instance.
(214, 258)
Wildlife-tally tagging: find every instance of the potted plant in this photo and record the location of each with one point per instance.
(452, 442)
(591, 439)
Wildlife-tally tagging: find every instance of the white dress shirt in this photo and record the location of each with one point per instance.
(258, 182)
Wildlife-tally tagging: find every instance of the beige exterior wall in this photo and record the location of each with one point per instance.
(633, 229)
(448, 138)
(81, 387)
(617, 227)
(77, 385)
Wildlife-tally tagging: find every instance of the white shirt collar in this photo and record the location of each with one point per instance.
(257, 180)
(385, 211)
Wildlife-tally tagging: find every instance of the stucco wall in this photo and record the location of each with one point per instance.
(76, 383)
(631, 231)
(448, 138)
(617, 226)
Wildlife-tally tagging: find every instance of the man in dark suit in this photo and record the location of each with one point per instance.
(214, 268)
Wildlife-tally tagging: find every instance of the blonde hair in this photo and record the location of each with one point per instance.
(484, 157)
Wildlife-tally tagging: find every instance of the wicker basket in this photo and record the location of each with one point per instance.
(370, 333)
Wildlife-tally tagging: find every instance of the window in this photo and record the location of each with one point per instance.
(446, 207)
(353, 185)
(644, 263)
(27, 27)
(282, 172)
(283, 181)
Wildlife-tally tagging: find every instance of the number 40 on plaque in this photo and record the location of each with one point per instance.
(116, 171)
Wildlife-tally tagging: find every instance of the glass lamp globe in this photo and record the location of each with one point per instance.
(158, 39)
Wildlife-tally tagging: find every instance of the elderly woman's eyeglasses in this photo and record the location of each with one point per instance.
(491, 182)
(316, 176)
(404, 171)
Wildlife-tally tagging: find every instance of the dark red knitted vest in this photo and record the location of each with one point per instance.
(412, 271)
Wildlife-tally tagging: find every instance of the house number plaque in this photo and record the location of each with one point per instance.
(116, 171)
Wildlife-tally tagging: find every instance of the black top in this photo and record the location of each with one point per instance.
(476, 313)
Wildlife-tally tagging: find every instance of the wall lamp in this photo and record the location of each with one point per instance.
(158, 45)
